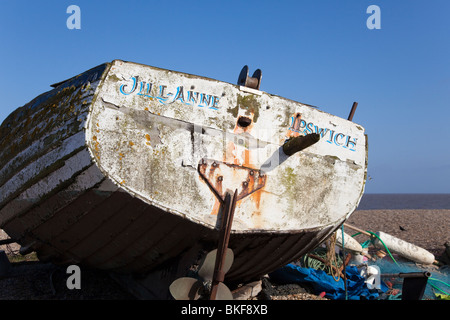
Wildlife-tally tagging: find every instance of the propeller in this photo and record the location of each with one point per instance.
(214, 267)
(187, 288)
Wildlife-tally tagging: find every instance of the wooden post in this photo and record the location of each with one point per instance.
(357, 229)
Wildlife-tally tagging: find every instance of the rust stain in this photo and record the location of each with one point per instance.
(231, 155)
(242, 157)
(251, 181)
(216, 207)
(256, 198)
(96, 147)
(147, 137)
(247, 159)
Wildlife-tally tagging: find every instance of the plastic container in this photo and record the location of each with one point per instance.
(373, 279)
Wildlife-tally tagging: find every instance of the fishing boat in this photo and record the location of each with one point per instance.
(127, 167)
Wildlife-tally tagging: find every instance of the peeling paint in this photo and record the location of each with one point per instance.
(86, 153)
(176, 136)
(145, 149)
(250, 104)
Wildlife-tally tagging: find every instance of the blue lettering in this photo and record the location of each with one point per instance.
(297, 124)
(352, 143)
(302, 124)
(179, 95)
(321, 131)
(147, 91)
(331, 136)
(121, 89)
(215, 103)
(192, 96)
(205, 100)
(164, 96)
(291, 127)
(305, 128)
(309, 127)
(336, 138)
(161, 97)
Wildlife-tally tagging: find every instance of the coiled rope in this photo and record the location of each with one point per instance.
(325, 259)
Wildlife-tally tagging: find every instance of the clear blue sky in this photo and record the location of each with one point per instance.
(315, 52)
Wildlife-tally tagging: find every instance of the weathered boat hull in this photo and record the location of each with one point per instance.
(118, 169)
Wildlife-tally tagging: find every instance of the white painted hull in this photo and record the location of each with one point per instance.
(106, 171)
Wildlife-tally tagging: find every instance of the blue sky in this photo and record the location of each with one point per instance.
(316, 52)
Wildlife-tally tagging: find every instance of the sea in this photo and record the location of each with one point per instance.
(379, 201)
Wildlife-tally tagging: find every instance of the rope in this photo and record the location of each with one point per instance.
(433, 279)
(331, 257)
(345, 275)
(370, 241)
(325, 259)
(375, 235)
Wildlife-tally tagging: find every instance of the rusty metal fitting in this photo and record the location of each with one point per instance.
(299, 143)
(253, 82)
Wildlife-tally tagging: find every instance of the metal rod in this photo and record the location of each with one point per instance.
(7, 241)
(224, 237)
(352, 112)
(425, 274)
(357, 229)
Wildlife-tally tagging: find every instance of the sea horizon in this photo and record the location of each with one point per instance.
(405, 201)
